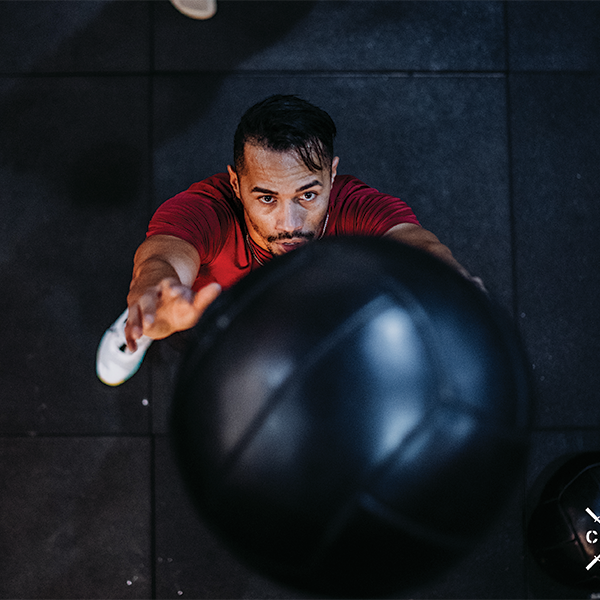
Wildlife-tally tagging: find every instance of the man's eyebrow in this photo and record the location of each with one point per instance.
(309, 185)
(260, 190)
(263, 191)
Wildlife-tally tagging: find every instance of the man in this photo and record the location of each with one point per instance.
(282, 192)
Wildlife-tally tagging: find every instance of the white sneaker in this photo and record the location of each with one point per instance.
(196, 9)
(115, 363)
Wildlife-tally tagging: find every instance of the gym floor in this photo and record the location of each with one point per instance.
(483, 116)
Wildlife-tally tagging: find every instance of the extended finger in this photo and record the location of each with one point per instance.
(147, 310)
(133, 327)
(206, 296)
(184, 314)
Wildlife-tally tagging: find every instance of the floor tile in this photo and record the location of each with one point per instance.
(330, 35)
(75, 36)
(553, 36)
(164, 362)
(555, 131)
(75, 518)
(74, 173)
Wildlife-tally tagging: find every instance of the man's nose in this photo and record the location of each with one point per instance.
(290, 217)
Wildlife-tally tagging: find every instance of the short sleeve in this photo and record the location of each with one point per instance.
(202, 216)
(357, 209)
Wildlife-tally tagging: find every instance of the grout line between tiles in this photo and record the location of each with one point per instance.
(49, 435)
(151, 176)
(373, 74)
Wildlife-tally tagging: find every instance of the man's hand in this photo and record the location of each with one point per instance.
(166, 308)
(415, 235)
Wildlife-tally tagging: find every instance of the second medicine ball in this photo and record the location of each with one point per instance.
(564, 529)
(351, 417)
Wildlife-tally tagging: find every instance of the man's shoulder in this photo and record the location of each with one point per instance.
(217, 186)
(346, 186)
(203, 215)
(213, 194)
(211, 200)
(342, 181)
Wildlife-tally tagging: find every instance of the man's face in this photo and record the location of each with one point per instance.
(285, 203)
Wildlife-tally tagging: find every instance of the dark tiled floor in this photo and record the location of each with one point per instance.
(62, 36)
(75, 182)
(481, 115)
(334, 35)
(553, 36)
(75, 517)
(556, 239)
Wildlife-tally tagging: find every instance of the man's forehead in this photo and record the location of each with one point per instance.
(263, 153)
(261, 162)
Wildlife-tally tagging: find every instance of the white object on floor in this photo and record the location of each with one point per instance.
(115, 363)
(196, 9)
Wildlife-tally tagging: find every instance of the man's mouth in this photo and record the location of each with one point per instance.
(290, 241)
(293, 244)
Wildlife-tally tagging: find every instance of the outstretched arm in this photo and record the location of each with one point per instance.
(161, 300)
(415, 235)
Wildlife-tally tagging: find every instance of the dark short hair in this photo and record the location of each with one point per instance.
(287, 123)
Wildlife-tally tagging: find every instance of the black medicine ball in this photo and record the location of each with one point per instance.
(564, 529)
(351, 416)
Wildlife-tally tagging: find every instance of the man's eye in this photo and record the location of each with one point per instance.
(309, 196)
(267, 199)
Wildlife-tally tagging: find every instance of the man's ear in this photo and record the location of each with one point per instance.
(235, 182)
(334, 165)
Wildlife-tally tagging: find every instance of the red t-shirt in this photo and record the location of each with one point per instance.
(209, 217)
